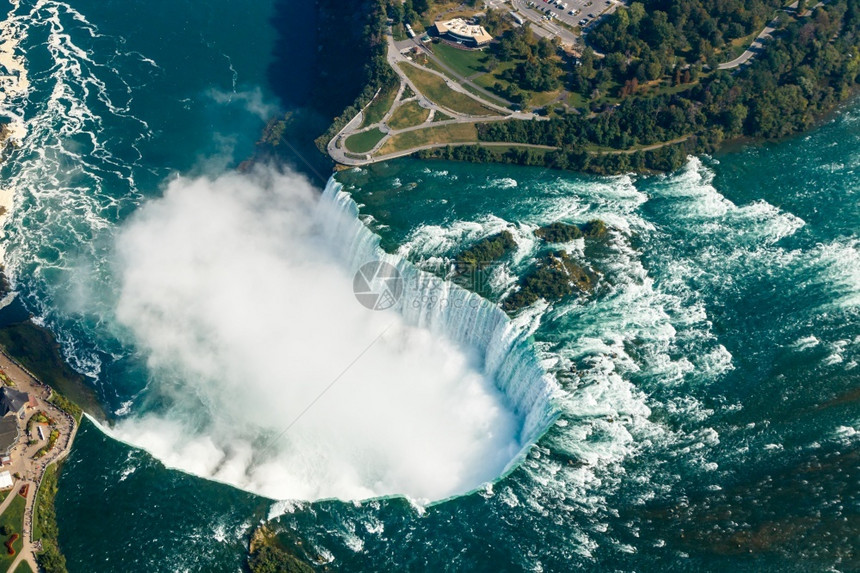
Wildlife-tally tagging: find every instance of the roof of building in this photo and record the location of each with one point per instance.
(11, 400)
(458, 27)
(8, 433)
(5, 480)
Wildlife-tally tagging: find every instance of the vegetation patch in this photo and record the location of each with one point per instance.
(269, 556)
(52, 441)
(485, 251)
(365, 141)
(441, 116)
(434, 135)
(516, 154)
(554, 277)
(45, 523)
(410, 114)
(380, 105)
(438, 91)
(464, 62)
(471, 265)
(11, 524)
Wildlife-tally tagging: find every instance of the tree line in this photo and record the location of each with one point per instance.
(804, 72)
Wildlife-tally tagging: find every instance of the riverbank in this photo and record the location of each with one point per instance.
(32, 458)
(30, 359)
(650, 127)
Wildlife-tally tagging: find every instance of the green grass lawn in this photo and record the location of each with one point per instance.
(409, 114)
(380, 105)
(439, 116)
(23, 567)
(13, 517)
(364, 141)
(464, 62)
(489, 80)
(540, 99)
(438, 91)
(430, 64)
(453, 133)
(736, 47)
(577, 100)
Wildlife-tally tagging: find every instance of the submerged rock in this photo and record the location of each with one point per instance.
(566, 232)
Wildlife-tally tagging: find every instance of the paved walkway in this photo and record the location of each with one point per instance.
(758, 45)
(23, 453)
(337, 147)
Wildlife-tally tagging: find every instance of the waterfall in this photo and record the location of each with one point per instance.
(466, 318)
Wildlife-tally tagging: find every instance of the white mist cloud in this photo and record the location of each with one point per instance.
(245, 317)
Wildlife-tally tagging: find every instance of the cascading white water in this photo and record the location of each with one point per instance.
(452, 311)
(239, 286)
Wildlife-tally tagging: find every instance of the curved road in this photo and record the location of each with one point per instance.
(758, 44)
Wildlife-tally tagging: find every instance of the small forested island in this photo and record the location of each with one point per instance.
(553, 276)
(634, 86)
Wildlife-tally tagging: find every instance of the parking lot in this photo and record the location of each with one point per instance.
(582, 13)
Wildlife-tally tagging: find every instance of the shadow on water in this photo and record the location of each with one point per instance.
(317, 70)
(292, 69)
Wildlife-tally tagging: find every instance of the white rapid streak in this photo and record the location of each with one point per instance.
(231, 288)
(14, 86)
(64, 173)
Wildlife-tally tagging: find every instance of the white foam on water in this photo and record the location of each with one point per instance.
(806, 342)
(838, 266)
(503, 183)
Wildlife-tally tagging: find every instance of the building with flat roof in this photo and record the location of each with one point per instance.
(5, 480)
(457, 29)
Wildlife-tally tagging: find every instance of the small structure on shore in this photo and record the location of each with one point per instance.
(12, 400)
(458, 30)
(6, 481)
(12, 403)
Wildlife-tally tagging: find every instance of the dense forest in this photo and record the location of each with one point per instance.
(660, 33)
(805, 71)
